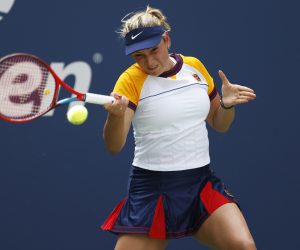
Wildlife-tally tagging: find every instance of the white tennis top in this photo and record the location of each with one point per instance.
(170, 112)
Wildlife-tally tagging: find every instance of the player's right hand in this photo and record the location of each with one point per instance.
(118, 107)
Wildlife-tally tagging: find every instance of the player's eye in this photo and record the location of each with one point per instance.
(137, 56)
(154, 49)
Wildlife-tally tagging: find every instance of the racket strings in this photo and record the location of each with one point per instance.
(27, 88)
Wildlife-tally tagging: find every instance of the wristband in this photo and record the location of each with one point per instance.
(222, 104)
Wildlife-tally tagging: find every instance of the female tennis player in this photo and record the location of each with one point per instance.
(172, 190)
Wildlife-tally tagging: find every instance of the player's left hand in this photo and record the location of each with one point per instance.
(234, 94)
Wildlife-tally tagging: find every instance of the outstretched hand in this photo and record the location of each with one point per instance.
(233, 94)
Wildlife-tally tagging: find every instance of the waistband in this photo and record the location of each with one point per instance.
(187, 172)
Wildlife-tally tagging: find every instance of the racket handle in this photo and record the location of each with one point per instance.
(98, 99)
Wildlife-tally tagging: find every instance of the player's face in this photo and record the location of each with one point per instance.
(156, 60)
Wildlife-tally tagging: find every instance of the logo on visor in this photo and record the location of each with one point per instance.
(5, 6)
(135, 36)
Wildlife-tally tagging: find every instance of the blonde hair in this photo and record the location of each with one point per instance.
(147, 18)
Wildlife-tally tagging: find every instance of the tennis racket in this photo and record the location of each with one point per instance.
(29, 88)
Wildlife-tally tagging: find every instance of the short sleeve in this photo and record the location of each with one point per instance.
(130, 84)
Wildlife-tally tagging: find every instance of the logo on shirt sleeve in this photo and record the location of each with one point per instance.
(197, 77)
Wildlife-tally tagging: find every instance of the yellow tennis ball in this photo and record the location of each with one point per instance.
(77, 114)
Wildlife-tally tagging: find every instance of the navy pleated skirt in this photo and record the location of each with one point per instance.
(169, 204)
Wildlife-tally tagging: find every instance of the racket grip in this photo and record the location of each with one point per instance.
(98, 99)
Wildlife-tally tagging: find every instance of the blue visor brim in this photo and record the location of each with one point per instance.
(146, 44)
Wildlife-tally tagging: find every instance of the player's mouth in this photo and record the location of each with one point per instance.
(152, 69)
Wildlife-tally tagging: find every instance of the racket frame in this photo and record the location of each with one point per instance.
(92, 98)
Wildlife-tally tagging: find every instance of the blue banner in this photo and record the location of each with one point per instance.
(58, 183)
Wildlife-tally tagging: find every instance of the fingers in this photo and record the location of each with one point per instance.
(246, 94)
(234, 94)
(223, 77)
(243, 97)
(243, 88)
(241, 100)
(119, 106)
(226, 81)
(116, 96)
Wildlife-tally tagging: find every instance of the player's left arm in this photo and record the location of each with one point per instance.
(220, 118)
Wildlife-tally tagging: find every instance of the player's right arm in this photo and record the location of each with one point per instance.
(117, 123)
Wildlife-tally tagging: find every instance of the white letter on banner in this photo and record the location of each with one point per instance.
(82, 73)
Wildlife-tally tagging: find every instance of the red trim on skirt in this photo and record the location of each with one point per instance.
(158, 213)
(111, 220)
(211, 198)
(158, 227)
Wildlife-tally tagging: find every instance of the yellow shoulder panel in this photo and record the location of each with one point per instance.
(130, 83)
(194, 62)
